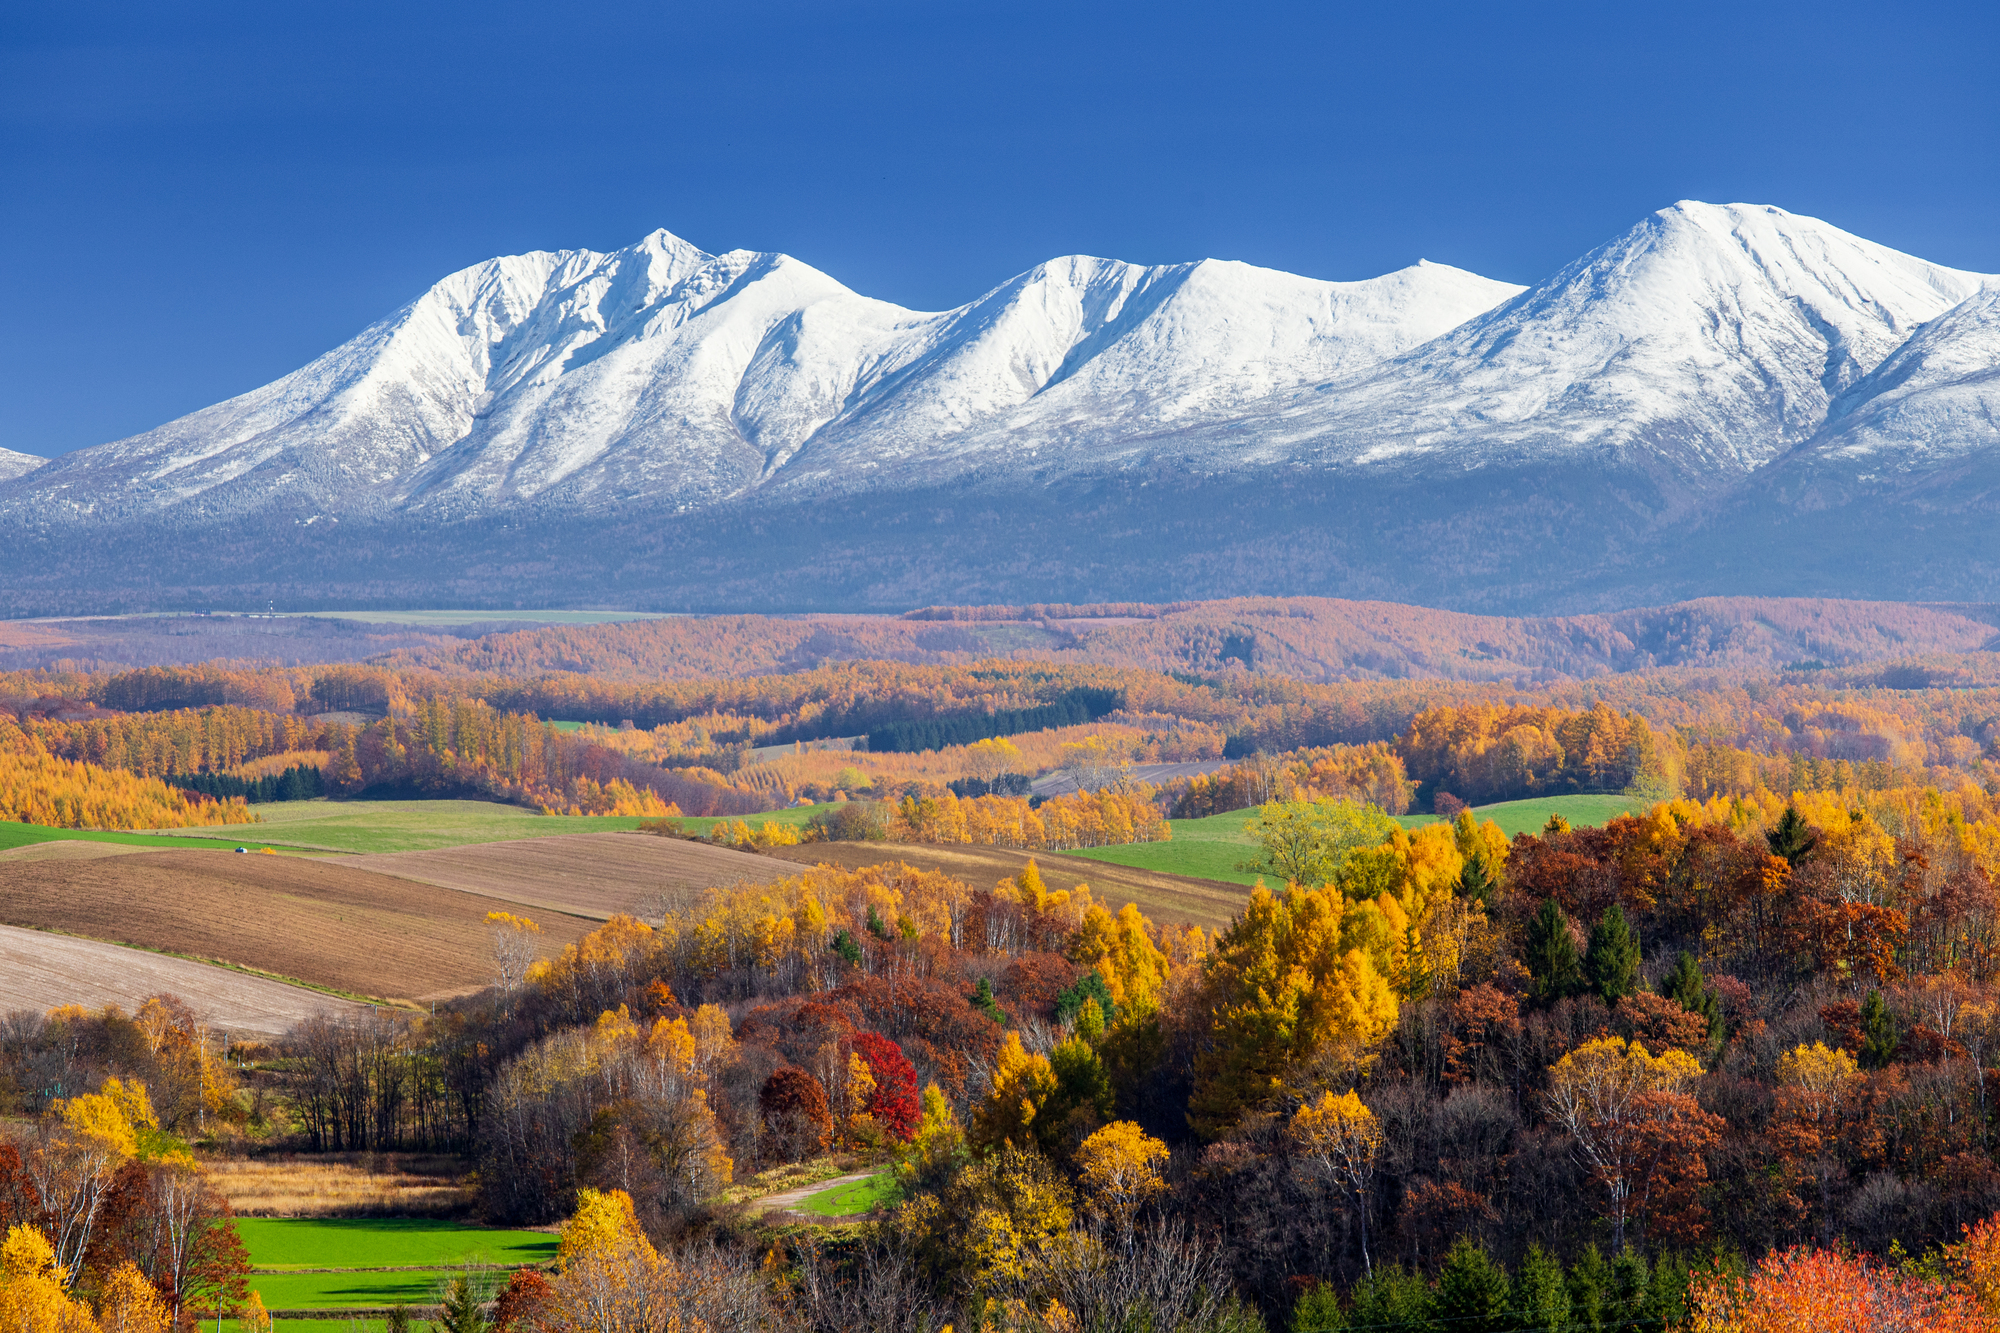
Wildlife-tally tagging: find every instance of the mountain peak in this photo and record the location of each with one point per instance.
(14, 464)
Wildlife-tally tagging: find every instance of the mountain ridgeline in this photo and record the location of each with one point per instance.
(1722, 400)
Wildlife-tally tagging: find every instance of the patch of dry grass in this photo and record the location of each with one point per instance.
(344, 1185)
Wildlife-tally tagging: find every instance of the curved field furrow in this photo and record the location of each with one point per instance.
(39, 971)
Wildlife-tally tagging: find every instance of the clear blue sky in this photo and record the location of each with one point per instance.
(195, 199)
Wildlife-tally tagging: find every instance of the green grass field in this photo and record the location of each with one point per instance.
(21, 835)
(1203, 848)
(1210, 848)
(1581, 811)
(385, 1242)
(852, 1200)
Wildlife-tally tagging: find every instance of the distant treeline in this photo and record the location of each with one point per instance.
(302, 782)
(1072, 710)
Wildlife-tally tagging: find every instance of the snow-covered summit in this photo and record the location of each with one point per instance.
(14, 464)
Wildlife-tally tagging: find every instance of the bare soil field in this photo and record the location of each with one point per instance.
(326, 925)
(584, 874)
(1163, 897)
(40, 970)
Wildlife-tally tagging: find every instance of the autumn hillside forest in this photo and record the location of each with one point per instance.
(1713, 1045)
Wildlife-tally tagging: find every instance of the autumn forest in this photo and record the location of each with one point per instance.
(1724, 1061)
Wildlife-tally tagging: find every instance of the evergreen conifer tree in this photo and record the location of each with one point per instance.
(1589, 1283)
(1475, 882)
(1687, 987)
(1629, 1303)
(1611, 963)
(1393, 1298)
(1552, 961)
(1471, 1291)
(1879, 1038)
(1319, 1311)
(1792, 838)
(1539, 1299)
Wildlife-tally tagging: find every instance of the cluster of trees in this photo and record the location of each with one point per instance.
(108, 1221)
(301, 782)
(1103, 818)
(1490, 752)
(183, 742)
(37, 787)
(1371, 774)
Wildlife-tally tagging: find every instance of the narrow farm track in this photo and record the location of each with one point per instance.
(39, 971)
(790, 1199)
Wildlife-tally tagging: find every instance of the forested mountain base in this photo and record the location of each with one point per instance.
(1537, 541)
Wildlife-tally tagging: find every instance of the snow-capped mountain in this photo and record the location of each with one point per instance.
(665, 373)
(1209, 428)
(1706, 341)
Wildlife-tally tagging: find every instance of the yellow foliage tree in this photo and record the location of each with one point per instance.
(100, 1120)
(254, 1317)
(713, 1040)
(1021, 1084)
(604, 1223)
(32, 1299)
(1339, 1138)
(128, 1303)
(514, 946)
(1121, 1170)
(1300, 981)
(1121, 948)
(1822, 1077)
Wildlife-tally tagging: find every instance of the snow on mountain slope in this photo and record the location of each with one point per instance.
(666, 373)
(14, 464)
(1082, 358)
(1710, 338)
(1935, 400)
(356, 418)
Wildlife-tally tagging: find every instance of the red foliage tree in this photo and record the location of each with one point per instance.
(521, 1300)
(894, 1103)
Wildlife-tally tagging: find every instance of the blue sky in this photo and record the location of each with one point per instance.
(195, 199)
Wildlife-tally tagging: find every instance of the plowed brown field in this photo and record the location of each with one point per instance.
(585, 874)
(1202, 902)
(326, 925)
(39, 971)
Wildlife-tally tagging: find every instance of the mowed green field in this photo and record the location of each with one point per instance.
(1211, 848)
(385, 1242)
(1202, 848)
(423, 1254)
